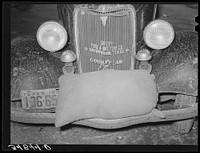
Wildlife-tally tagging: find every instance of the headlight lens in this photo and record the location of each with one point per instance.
(51, 36)
(159, 34)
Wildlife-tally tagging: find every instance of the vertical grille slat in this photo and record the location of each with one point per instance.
(100, 38)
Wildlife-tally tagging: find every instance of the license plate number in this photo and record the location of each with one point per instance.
(39, 99)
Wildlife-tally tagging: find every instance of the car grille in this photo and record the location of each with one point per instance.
(105, 40)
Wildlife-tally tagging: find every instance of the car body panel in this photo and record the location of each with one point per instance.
(176, 67)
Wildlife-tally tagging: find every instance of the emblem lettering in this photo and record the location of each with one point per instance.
(104, 64)
(106, 48)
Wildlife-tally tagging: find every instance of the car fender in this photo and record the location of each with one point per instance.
(175, 68)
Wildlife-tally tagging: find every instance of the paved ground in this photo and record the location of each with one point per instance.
(181, 17)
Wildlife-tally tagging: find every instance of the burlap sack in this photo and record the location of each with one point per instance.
(106, 94)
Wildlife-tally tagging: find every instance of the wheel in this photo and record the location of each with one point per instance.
(184, 126)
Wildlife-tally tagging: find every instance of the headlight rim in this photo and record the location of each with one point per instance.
(154, 22)
(65, 34)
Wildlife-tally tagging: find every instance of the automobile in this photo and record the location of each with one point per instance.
(86, 39)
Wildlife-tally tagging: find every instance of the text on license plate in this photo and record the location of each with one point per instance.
(39, 99)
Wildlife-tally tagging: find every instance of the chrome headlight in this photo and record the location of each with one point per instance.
(52, 36)
(158, 34)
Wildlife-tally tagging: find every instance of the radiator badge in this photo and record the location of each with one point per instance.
(107, 48)
(103, 20)
(106, 64)
(108, 55)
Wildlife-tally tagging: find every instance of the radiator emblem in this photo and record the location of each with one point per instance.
(103, 20)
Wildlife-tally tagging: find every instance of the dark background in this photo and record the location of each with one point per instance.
(181, 16)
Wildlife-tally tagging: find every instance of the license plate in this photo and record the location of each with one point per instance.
(39, 99)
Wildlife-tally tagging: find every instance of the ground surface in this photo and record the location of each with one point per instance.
(145, 134)
(27, 23)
